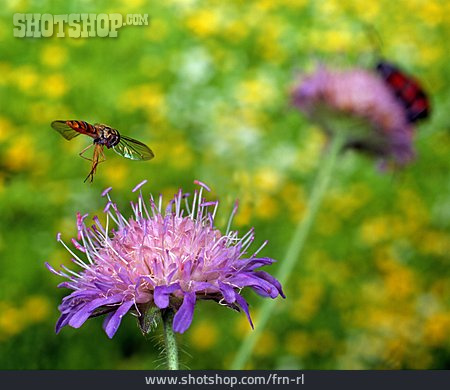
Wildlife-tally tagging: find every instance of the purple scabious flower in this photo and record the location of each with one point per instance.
(360, 103)
(160, 258)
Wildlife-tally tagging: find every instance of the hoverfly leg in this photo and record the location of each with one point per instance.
(101, 157)
(98, 153)
(92, 172)
(91, 176)
(84, 151)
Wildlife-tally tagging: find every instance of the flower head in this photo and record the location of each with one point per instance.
(160, 258)
(358, 102)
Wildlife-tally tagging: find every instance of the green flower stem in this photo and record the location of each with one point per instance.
(170, 341)
(295, 247)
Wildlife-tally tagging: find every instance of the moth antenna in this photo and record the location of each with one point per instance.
(374, 38)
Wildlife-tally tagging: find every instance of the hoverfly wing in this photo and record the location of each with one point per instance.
(64, 129)
(133, 149)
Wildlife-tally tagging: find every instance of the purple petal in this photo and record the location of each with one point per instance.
(251, 264)
(87, 295)
(139, 185)
(244, 305)
(200, 183)
(82, 315)
(65, 285)
(51, 269)
(183, 317)
(263, 293)
(227, 292)
(106, 190)
(78, 246)
(257, 283)
(113, 322)
(62, 322)
(206, 204)
(108, 205)
(140, 280)
(107, 319)
(202, 286)
(162, 293)
(187, 269)
(271, 280)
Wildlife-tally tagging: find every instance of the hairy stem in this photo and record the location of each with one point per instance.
(170, 341)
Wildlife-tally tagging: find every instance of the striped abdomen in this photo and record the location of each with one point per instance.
(83, 128)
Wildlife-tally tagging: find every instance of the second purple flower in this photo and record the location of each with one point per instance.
(359, 103)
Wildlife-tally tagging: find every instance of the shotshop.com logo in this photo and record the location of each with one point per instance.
(74, 25)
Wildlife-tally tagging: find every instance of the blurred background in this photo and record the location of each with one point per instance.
(206, 86)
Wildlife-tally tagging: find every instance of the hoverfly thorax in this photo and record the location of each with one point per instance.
(106, 136)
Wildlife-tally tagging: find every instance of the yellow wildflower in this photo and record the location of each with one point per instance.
(433, 243)
(35, 309)
(244, 214)
(10, 321)
(54, 55)
(116, 172)
(26, 78)
(157, 30)
(294, 197)
(204, 335)
(5, 128)
(305, 307)
(375, 230)
(21, 153)
(298, 343)
(436, 330)
(204, 22)
(267, 179)
(266, 206)
(266, 344)
(256, 92)
(54, 86)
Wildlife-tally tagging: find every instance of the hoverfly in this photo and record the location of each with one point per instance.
(103, 135)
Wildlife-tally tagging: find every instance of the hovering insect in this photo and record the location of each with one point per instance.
(407, 90)
(103, 135)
